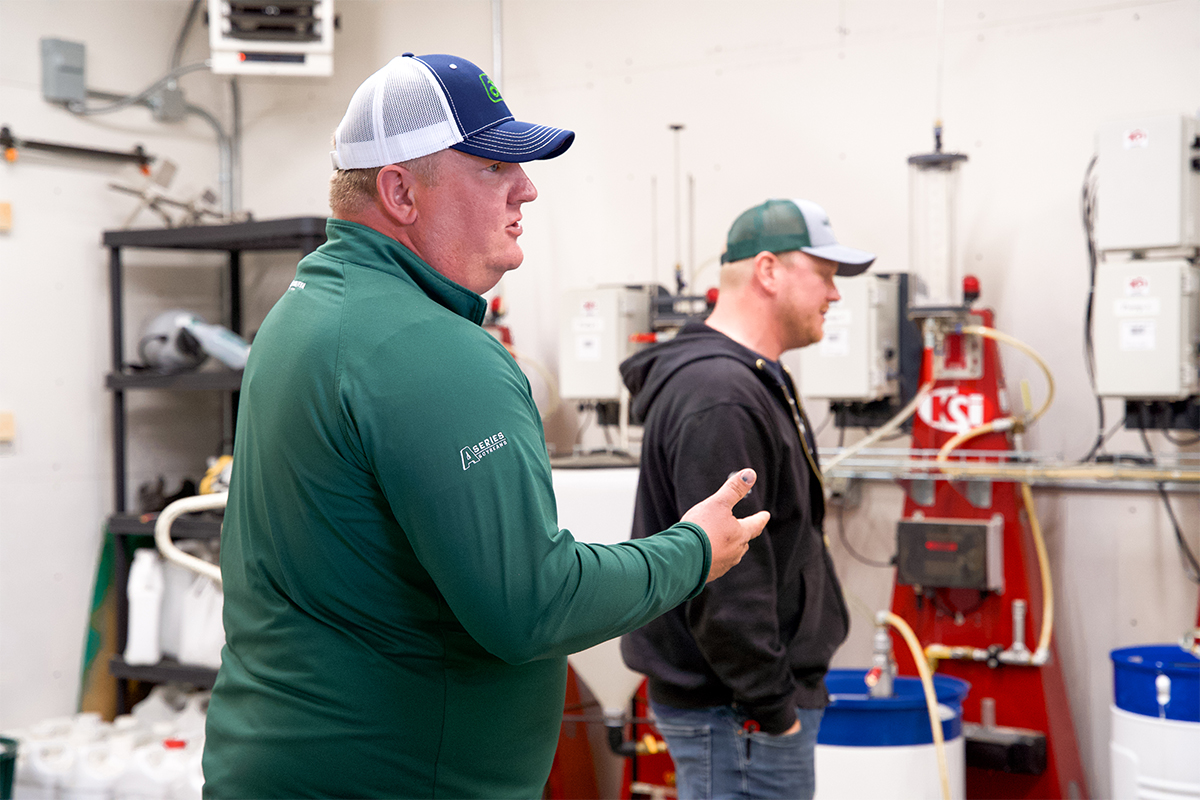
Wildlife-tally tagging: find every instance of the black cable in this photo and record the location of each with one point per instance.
(587, 419)
(846, 542)
(1102, 440)
(1191, 567)
(1088, 212)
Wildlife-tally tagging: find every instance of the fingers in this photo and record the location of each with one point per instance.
(736, 486)
(755, 524)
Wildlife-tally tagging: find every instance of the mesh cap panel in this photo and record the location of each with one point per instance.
(396, 115)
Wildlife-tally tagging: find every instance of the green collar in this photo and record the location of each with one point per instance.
(359, 244)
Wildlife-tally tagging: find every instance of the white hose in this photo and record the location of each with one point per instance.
(885, 429)
(162, 532)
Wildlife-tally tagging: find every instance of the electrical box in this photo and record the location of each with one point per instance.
(951, 553)
(1148, 190)
(595, 330)
(1146, 329)
(64, 77)
(858, 357)
(271, 37)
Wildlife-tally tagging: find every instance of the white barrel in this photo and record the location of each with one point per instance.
(1154, 748)
(882, 747)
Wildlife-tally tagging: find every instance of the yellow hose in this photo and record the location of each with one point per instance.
(935, 720)
(1004, 423)
(992, 333)
(1039, 543)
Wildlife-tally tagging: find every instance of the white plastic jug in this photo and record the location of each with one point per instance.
(152, 771)
(203, 633)
(97, 766)
(145, 592)
(43, 769)
(189, 785)
(176, 582)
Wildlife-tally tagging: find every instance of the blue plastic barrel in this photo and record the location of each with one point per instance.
(1136, 671)
(855, 719)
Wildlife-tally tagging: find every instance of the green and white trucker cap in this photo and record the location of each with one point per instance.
(778, 226)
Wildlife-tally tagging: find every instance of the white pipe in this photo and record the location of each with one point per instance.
(498, 44)
(162, 532)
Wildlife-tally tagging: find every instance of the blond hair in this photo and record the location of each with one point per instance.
(351, 190)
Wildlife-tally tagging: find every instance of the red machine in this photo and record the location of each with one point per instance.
(1022, 743)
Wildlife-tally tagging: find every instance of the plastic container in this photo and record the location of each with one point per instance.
(97, 766)
(45, 768)
(1155, 740)
(177, 580)
(153, 770)
(145, 592)
(892, 735)
(1138, 683)
(203, 633)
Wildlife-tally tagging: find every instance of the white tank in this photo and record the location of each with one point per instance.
(882, 747)
(1155, 743)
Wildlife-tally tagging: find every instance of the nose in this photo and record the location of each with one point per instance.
(832, 295)
(523, 190)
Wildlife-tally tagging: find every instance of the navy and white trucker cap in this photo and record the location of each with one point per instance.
(417, 105)
(778, 226)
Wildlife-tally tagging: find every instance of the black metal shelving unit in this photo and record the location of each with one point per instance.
(302, 234)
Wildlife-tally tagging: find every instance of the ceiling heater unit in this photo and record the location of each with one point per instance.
(279, 37)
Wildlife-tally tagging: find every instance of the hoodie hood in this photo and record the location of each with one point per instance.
(646, 372)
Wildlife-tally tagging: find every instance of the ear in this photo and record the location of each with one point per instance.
(767, 267)
(395, 189)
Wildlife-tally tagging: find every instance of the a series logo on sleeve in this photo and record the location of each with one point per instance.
(473, 454)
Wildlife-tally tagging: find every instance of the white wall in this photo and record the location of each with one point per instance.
(818, 99)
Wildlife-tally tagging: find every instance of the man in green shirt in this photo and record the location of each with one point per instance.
(399, 600)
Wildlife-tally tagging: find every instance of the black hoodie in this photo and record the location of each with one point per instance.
(761, 636)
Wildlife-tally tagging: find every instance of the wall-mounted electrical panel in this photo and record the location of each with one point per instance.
(1149, 183)
(595, 330)
(1146, 333)
(64, 71)
(271, 37)
(858, 357)
(951, 553)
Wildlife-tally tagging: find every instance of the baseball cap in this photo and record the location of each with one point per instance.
(781, 225)
(417, 105)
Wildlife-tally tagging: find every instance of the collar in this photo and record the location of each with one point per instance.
(359, 244)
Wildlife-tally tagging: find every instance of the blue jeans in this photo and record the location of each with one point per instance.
(715, 759)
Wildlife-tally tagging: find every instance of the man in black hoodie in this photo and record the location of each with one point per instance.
(736, 674)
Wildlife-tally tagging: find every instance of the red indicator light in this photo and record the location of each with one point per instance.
(942, 547)
(241, 56)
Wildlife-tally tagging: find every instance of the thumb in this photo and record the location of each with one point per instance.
(736, 486)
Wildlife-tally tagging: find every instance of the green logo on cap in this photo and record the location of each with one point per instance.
(490, 88)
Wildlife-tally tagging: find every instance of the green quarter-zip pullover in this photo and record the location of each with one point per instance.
(399, 598)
